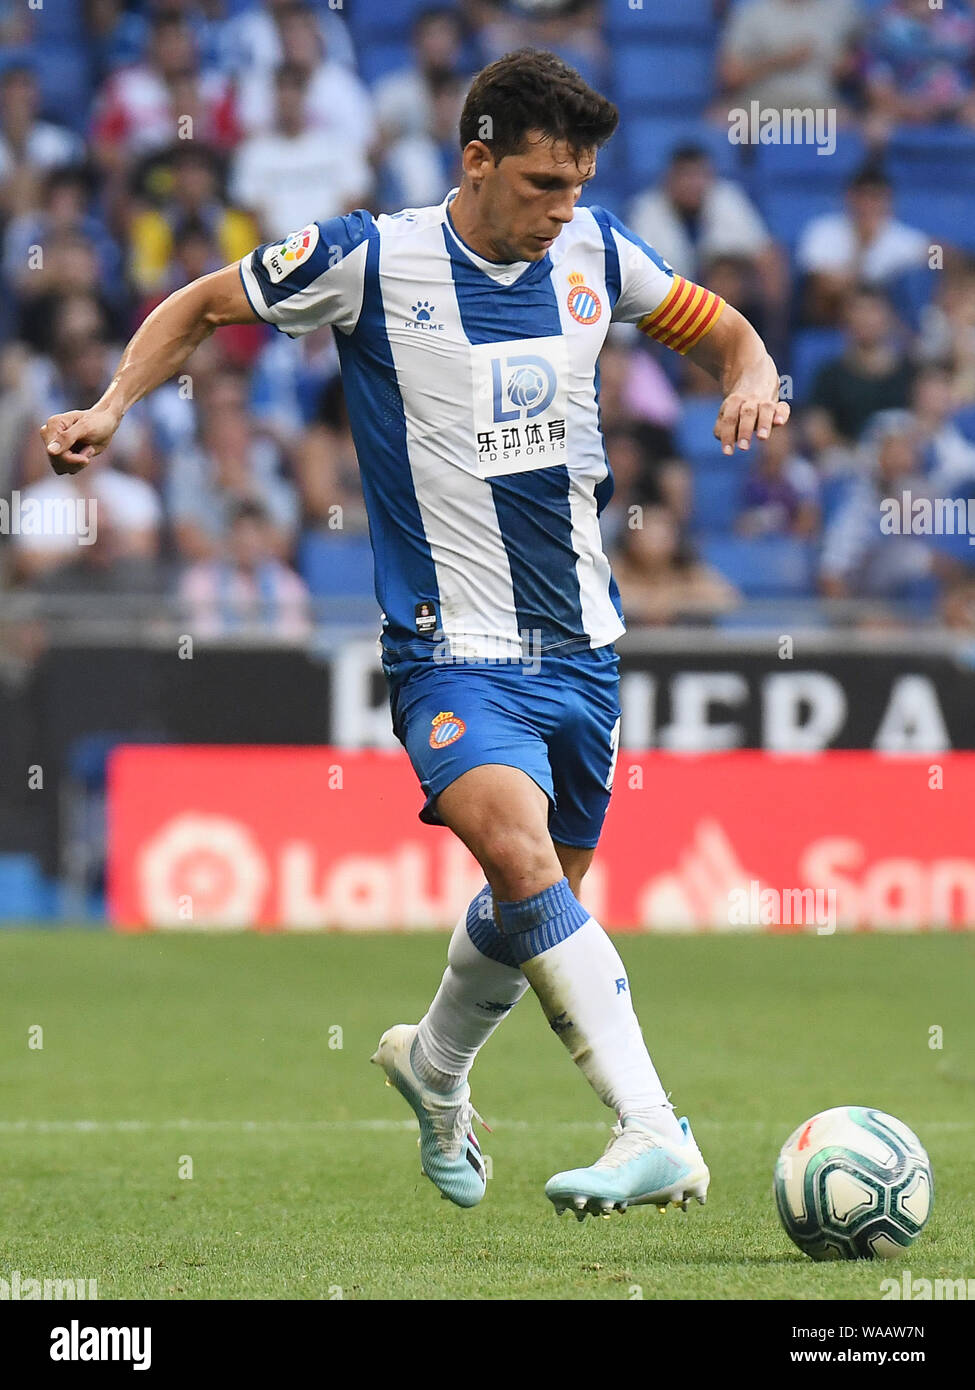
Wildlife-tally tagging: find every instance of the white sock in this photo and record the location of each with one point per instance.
(583, 988)
(475, 995)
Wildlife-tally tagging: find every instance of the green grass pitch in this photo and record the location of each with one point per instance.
(164, 1049)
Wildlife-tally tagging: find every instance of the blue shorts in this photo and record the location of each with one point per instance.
(560, 724)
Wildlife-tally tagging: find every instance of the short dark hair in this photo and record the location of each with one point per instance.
(248, 510)
(689, 153)
(534, 90)
(870, 175)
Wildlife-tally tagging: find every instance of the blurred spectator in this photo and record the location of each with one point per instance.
(65, 265)
(405, 98)
(292, 175)
(117, 36)
(872, 373)
(693, 216)
(252, 42)
(660, 579)
(232, 462)
(17, 414)
(288, 380)
(948, 330)
(28, 146)
(570, 28)
(328, 469)
(780, 496)
(336, 103)
(633, 388)
(115, 528)
(76, 374)
(193, 197)
(646, 470)
(859, 559)
(142, 108)
(957, 608)
(418, 168)
(249, 589)
(63, 207)
(865, 244)
(695, 219)
(917, 61)
(949, 458)
(788, 53)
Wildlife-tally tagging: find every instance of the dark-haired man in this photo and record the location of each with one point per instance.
(863, 243)
(468, 335)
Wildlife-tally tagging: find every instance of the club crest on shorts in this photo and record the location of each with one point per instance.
(446, 728)
(583, 303)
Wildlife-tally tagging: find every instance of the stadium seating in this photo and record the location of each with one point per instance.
(944, 213)
(647, 142)
(632, 20)
(932, 157)
(787, 209)
(810, 348)
(381, 58)
(336, 565)
(694, 434)
(25, 894)
(669, 78)
(762, 567)
(833, 493)
(717, 495)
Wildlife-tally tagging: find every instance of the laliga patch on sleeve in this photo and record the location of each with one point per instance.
(280, 260)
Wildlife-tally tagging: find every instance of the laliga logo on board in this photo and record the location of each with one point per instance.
(583, 303)
(202, 869)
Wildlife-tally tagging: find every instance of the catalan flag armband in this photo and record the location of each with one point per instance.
(688, 312)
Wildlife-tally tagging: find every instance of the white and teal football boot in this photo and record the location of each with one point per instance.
(449, 1153)
(638, 1168)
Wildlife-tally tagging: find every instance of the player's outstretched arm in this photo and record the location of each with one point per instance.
(173, 331)
(735, 355)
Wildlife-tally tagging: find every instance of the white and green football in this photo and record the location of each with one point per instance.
(853, 1184)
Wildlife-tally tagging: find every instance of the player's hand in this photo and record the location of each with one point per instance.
(73, 438)
(747, 412)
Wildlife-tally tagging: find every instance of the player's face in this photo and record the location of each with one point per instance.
(527, 198)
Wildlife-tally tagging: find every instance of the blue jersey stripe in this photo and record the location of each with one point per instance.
(405, 572)
(532, 507)
(491, 313)
(613, 276)
(536, 526)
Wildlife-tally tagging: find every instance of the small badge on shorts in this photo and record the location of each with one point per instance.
(446, 728)
(425, 617)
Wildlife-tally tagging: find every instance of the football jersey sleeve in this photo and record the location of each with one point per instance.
(664, 305)
(313, 277)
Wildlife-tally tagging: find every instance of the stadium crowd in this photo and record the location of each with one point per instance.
(144, 145)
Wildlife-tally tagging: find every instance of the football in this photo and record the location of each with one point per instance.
(853, 1183)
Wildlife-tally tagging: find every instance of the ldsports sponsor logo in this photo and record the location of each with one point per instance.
(309, 838)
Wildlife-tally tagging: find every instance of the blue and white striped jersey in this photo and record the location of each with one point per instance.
(472, 390)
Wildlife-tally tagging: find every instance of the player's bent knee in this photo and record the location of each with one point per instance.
(518, 863)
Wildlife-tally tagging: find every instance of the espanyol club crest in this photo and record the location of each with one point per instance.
(282, 259)
(446, 728)
(584, 304)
